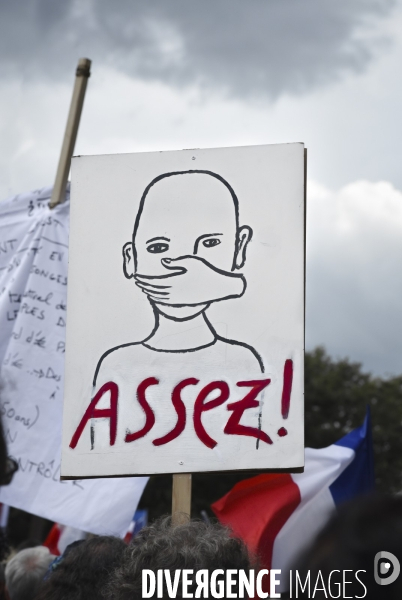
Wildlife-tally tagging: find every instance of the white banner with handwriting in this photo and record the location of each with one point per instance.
(33, 286)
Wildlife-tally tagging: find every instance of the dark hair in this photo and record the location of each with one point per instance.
(83, 573)
(192, 545)
(350, 541)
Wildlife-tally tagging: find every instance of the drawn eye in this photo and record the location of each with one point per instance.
(158, 248)
(211, 242)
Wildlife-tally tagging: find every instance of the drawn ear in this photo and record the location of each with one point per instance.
(244, 235)
(128, 260)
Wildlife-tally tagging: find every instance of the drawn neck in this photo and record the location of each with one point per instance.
(171, 335)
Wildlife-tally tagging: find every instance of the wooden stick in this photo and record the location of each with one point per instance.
(181, 498)
(70, 134)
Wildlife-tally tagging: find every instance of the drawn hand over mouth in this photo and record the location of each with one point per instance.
(192, 280)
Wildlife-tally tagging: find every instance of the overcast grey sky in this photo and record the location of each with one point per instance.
(170, 74)
(264, 47)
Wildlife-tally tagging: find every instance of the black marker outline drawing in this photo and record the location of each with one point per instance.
(157, 293)
(157, 288)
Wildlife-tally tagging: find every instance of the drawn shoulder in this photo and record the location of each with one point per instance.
(241, 352)
(122, 355)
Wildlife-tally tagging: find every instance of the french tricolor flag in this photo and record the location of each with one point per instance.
(278, 515)
(61, 536)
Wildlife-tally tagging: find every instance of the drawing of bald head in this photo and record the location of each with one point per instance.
(187, 213)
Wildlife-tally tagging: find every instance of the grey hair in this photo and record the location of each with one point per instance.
(25, 571)
(162, 545)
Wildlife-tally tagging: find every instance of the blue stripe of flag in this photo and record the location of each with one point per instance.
(358, 477)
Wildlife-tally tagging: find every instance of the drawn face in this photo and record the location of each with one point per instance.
(184, 215)
(191, 214)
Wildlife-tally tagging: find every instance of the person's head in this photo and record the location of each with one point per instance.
(190, 213)
(25, 571)
(350, 541)
(191, 545)
(83, 570)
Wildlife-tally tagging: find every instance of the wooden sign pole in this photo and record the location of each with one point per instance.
(82, 73)
(181, 498)
(70, 135)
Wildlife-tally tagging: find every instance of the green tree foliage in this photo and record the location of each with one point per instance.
(337, 393)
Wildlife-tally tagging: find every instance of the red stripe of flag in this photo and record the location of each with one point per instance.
(256, 509)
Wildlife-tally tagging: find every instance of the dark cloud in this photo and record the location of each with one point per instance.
(263, 47)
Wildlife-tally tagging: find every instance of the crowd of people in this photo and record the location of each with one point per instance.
(106, 568)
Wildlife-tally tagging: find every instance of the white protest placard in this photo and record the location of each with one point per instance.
(185, 331)
(33, 295)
